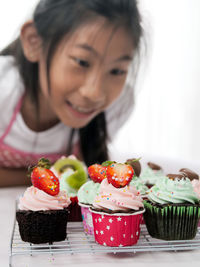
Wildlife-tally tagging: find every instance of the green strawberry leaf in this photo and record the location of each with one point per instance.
(107, 163)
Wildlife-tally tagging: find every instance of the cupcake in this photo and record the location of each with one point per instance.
(117, 209)
(88, 192)
(189, 174)
(140, 186)
(172, 209)
(42, 211)
(135, 164)
(72, 174)
(86, 195)
(151, 174)
(136, 181)
(196, 187)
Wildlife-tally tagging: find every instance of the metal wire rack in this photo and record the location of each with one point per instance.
(79, 242)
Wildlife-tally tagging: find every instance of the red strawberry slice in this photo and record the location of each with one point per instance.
(119, 175)
(97, 172)
(44, 179)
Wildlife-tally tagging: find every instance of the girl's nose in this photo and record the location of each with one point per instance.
(93, 90)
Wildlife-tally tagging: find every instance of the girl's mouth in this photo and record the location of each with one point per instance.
(80, 111)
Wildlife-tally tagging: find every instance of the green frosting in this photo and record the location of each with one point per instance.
(172, 222)
(149, 176)
(173, 191)
(71, 192)
(88, 192)
(139, 185)
(79, 175)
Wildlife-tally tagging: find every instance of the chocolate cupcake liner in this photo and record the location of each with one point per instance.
(172, 222)
(74, 212)
(42, 226)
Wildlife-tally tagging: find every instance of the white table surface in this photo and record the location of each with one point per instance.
(7, 211)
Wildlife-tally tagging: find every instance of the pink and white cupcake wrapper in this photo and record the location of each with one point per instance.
(116, 230)
(87, 219)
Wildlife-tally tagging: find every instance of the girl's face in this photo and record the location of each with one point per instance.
(87, 73)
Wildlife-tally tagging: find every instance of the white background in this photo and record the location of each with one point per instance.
(165, 121)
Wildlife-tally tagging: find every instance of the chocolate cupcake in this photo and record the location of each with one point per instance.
(42, 211)
(172, 209)
(42, 218)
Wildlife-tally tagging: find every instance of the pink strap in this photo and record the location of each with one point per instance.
(16, 110)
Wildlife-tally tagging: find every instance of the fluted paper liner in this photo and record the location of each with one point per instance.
(116, 230)
(172, 222)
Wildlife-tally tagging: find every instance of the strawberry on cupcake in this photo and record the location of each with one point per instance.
(42, 211)
(117, 209)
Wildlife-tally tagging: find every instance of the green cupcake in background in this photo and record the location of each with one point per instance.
(88, 192)
(172, 209)
(139, 185)
(72, 174)
(151, 174)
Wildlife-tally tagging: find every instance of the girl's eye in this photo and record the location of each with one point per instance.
(82, 63)
(117, 72)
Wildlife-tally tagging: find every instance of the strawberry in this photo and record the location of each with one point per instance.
(74, 200)
(44, 179)
(97, 172)
(119, 175)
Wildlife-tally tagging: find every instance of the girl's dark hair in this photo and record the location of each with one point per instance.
(53, 21)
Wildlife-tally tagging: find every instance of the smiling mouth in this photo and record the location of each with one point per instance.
(81, 110)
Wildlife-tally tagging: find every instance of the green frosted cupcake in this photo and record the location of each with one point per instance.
(139, 185)
(151, 174)
(72, 175)
(88, 192)
(172, 210)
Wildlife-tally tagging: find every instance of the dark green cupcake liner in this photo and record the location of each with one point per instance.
(173, 221)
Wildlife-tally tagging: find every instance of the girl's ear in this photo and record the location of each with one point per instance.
(31, 42)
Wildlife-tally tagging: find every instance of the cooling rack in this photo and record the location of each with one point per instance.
(79, 242)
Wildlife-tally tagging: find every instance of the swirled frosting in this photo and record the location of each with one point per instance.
(112, 198)
(139, 185)
(172, 191)
(149, 176)
(65, 186)
(88, 192)
(35, 199)
(68, 172)
(196, 186)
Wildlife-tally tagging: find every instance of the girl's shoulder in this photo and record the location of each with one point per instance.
(11, 85)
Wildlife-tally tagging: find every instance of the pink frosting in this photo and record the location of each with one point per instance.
(196, 186)
(35, 199)
(113, 198)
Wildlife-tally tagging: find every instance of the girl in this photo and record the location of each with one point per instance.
(63, 83)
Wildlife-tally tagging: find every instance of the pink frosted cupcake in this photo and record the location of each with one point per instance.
(117, 209)
(42, 211)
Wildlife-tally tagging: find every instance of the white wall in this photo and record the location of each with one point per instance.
(12, 15)
(165, 121)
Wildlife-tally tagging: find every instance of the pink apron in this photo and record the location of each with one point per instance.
(15, 158)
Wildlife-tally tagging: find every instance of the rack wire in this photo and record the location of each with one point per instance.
(79, 242)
